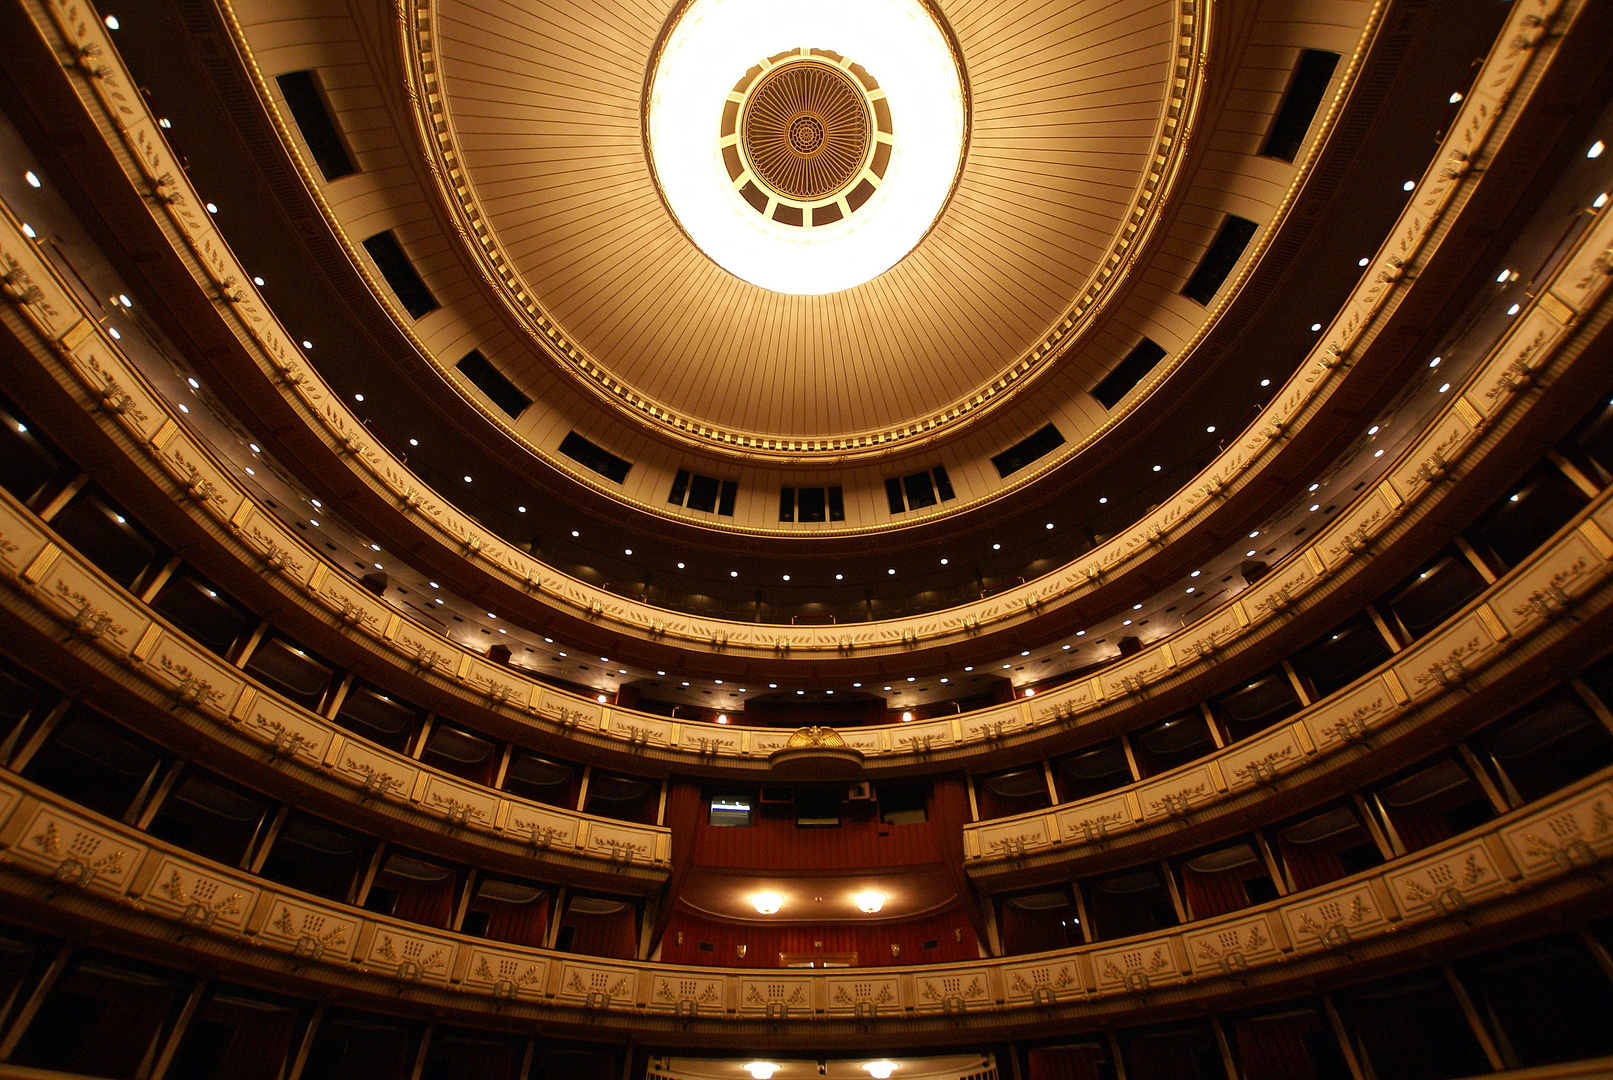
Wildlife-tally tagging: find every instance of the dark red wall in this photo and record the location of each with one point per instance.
(870, 942)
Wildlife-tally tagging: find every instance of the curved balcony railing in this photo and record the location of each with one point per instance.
(1506, 627)
(1497, 97)
(59, 583)
(1502, 628)
(1533, 860)
(1538, 346)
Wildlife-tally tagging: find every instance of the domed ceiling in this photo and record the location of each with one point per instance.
(544, 106)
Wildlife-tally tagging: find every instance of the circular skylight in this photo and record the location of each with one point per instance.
(806, 148)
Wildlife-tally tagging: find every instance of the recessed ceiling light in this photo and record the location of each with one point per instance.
(943, 562)
(314, 523)
(1190, 588)
(1126, 623)
(1505, 274)
(996, 547)
(259, 282)
(111, 22)
(414, 442)
(1455, 97)
(522, 510)
(434, 585)
(490, 615)
(1136, 607)
(467, 479)
(910, 678)
(856, 684)
(1601, 201)
(627, 551)
(252, 446)
(1027, 652)
(1363, 262)
(733, 573)
(574, 532)
(840, 577)
(194, 385)
(774, 686)
(1596, 149)
(658, 672)
(33, 181)
(1080, 633)
(786, 577)
(1315, 326)
(307, 344)
(1408, 185)
(891, 571)
(1514, 309)
(800, 691)
(887, 688)
(971, 667)
(1195, 573)
(1157, 468)
(1373, 430)
(1067, 648)
(317, 503)
(212, 208)
(717, 681)
(358, 397)
(1444, 388)
(1103, 500)
(1316, 507)
(1211, 429)
(1265, 382)
(1249, 554)
(680, 566)
(1313, 487)
(1049, 524)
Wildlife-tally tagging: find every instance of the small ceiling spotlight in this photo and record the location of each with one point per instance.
(869, 901)
(766, 903)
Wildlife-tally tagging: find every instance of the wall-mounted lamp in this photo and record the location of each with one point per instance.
(869, 901)
(767, 903)
(764, 1070)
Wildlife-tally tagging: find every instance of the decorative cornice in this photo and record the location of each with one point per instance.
(1533, 343)
(94, 867)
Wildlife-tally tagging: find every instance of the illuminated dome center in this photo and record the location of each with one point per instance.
(806, 149)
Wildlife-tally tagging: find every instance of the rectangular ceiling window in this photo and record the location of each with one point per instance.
(1021, 454)
(1305, 89)
(312, 116)
(812, 504)
(1128, 373)
(919, 490)
(401, 276)
(1223, 254)
(704, 493)
(594, 457)
(490, 381)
